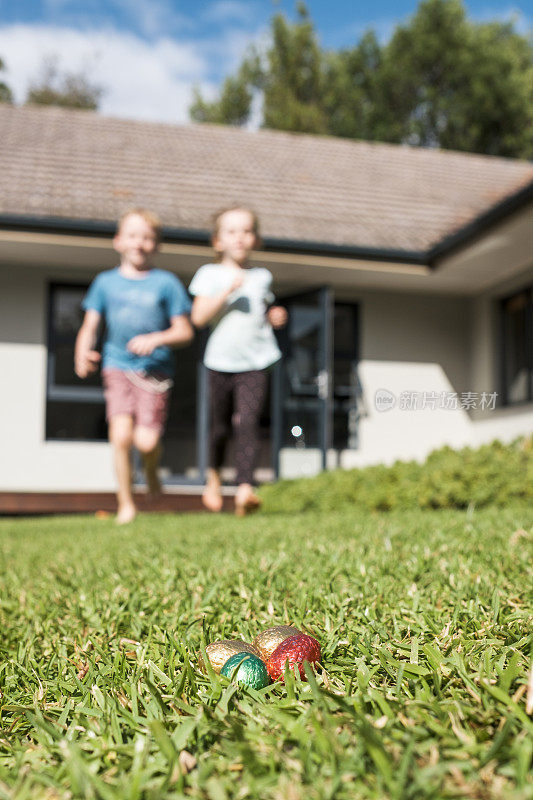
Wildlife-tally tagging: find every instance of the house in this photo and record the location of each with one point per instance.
(408, 275)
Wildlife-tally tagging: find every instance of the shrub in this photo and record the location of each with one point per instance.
(494, 474)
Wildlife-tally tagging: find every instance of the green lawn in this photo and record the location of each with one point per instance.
(424, 620)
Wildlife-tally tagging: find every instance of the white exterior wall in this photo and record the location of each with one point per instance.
(433, 345)
(409, 343)
(29, 463)
(422, 344)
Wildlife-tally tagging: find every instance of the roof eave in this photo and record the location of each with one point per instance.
(476, 227)
(91, 227)
(446, 247)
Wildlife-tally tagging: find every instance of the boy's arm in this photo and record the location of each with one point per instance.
(86, 359)
(179, 332)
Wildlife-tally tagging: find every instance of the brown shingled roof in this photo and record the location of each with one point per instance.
(80, 165)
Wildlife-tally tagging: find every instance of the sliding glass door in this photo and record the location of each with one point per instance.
(302, 385)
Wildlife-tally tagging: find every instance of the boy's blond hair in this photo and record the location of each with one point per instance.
(149, 216)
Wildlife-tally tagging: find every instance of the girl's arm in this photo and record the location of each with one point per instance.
(204, 308)
(86, 358)
(180, 332)
(277, 316)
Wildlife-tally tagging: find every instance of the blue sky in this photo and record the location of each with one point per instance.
(148, 54)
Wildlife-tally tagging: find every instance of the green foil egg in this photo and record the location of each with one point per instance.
(247, 669)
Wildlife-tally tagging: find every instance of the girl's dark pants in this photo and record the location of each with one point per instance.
(236, 400)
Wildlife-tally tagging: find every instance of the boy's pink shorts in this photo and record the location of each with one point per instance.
(136, 395)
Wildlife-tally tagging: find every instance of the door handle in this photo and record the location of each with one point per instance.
(323, 384)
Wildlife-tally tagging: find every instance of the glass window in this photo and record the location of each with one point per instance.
(517, 349)
(74, 421)
(301, 344)
(74, 408)
(66, 316)
(346, 389)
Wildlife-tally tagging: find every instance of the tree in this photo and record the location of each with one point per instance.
(289, 76)
(234, 105)
(68, 89)
(456, 84)
(352, 89)
(6, 95)
(441, 81)
(292, 77)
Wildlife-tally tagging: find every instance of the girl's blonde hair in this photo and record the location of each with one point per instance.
(149, 216)
(217, 216)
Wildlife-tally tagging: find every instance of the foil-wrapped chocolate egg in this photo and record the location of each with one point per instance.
(219, 652)
(247, 669)
(293, 651)
(267, 641)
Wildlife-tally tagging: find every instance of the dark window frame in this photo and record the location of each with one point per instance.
(340, 396)
(95, 396)
(506, 401)
(59, 392)
(304, 397)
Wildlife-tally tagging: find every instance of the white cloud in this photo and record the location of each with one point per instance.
(226, 51)
(523, 23)
(143, 80)
(223, 11)
(149, 17)
(153, 17)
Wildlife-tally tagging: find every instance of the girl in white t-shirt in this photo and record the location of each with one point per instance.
(235, 299)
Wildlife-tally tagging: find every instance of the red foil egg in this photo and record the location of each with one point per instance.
(294, 651)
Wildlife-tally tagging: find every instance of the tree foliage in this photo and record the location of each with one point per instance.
(6, 95)
(69, 89)
(441, 80)
(232, 107)
(292, 78)
(458, 84)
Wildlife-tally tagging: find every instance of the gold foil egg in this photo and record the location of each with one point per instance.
(267, 641)
(219, 652)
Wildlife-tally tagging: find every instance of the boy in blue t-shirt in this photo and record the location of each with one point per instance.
(146, 314)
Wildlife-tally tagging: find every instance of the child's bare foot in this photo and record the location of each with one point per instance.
(246, 501)
(212, 494)
(212, 500)
(126, 513)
